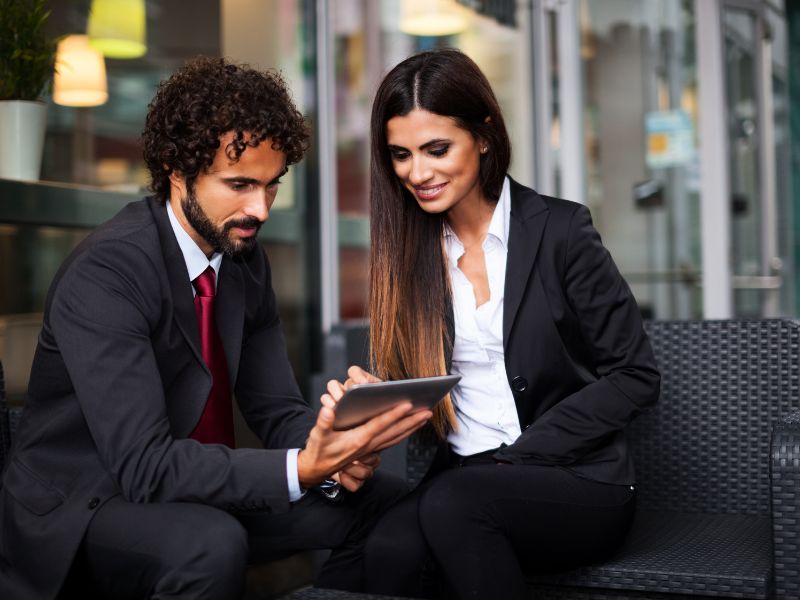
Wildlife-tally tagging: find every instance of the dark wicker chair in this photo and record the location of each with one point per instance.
(718, 469)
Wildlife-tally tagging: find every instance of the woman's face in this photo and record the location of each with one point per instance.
(435, 159)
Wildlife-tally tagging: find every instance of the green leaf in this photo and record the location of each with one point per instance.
(27, 55)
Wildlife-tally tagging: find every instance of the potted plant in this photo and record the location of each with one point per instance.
(27, 56)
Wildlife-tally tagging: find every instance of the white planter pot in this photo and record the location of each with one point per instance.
(22, 125)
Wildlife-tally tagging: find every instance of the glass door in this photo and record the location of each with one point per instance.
(639, 84)
(756, 93)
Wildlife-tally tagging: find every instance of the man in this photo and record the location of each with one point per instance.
(124, 479)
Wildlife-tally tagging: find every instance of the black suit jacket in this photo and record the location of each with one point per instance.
(117, 385)
(577, 358)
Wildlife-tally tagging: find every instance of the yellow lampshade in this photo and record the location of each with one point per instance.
(80, 78)
(432, 17)
(117, 28)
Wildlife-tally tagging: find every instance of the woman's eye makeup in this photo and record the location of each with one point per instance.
(435, 151)
(398, 154)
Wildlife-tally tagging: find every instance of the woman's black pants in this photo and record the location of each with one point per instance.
(473, 531)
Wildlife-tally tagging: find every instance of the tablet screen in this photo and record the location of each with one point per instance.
(366, 400)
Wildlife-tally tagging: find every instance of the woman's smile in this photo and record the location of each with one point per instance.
(429, 192)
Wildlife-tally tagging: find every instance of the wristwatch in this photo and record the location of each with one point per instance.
(331, 489)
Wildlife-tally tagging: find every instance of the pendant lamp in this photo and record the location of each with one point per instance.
(117, 28)
(432, 17)
(80, 78)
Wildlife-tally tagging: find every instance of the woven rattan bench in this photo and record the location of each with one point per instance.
(718, 469)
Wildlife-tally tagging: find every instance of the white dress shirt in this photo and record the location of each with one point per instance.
(196, 264)
(485, 410)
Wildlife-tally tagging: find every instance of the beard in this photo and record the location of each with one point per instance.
(219, 238)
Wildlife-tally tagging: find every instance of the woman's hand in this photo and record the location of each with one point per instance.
(354, 475)
(336, 389)
(358, 375)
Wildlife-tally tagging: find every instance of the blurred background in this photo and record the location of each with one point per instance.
(676, 121)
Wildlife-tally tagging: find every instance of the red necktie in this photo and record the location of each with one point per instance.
(216, 422)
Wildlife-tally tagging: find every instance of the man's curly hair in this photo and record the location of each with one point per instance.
(204, 100)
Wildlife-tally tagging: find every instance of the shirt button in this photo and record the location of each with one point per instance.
(519, 384)
(93, 503)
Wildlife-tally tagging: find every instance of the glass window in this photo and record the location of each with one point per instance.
(92, 163)
(640, 135)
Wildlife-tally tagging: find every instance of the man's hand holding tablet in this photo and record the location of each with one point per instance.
(352, 453)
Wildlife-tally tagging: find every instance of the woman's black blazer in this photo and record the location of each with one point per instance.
(577, 357)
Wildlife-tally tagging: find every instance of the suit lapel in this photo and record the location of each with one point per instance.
(528, 217)
(229, 313)
(180, 286)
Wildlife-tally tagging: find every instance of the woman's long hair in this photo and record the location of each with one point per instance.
(409, 298)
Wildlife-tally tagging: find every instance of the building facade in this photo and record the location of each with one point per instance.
(671, 119)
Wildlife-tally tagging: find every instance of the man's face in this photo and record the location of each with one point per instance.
(230, 201)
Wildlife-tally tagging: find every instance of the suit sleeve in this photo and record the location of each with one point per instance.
(627, 379)
(102, 315)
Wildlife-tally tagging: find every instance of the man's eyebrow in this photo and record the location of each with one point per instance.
(241, 179)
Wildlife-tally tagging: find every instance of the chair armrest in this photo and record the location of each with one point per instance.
(785, 484)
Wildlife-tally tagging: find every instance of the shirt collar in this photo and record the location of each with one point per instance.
(499, 225)
(195, 258)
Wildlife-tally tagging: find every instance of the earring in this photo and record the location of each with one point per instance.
(484, 149)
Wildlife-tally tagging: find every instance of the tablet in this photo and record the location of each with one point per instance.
(366, 400)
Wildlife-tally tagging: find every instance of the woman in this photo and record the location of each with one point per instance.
(475, 274)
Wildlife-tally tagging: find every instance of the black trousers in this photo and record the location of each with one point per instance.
(182, 550)
(472, 531)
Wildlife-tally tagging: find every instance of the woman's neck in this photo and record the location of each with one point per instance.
(470, 219)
